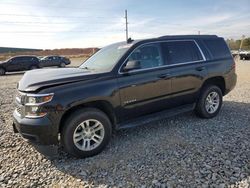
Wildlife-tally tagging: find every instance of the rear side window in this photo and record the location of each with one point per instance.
(176, 52)
(218, 48)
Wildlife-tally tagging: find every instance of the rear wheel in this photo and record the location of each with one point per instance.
(62, 65)
(86, 132)
(210, 101)
(2, 71)
(33, 67)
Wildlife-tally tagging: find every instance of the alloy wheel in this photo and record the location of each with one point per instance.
(88, 135)
(212, 102)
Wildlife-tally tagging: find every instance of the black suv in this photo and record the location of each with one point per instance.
(49, 61)
(19, 63)
(123, 85)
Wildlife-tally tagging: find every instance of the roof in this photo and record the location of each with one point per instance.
(175, 37)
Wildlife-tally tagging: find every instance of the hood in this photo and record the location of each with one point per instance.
(2, 62)
(36, 79)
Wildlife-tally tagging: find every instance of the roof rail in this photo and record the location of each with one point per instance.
(187, 36)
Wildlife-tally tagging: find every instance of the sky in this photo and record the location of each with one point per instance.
(49, 24)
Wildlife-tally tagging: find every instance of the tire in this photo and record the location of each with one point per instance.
(62, 65)
(204, 107)
(75, 139)
(2, 71)
(33, 67)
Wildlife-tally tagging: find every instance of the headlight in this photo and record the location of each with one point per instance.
(38, 99)
(33, 104)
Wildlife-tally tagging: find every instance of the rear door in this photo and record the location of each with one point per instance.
(186, 67)
(57, 60)
(27, 62)
(54, 61)
(145, 90)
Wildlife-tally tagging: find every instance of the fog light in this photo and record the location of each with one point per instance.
(33, 112)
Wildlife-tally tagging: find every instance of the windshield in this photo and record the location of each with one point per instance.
(106, 58)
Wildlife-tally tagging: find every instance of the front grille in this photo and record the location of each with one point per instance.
(19, 103)
(20, 97)
(19, 110)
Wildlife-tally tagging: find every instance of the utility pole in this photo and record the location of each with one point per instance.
(126, 19)
(199, 32)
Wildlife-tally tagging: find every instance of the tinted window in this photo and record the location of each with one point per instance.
(148, 55)
(13, 60)
(181, 52)
(218, 48)
(26, 59)
(17, 59)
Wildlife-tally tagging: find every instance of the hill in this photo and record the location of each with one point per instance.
(6, 53)
(13, 50)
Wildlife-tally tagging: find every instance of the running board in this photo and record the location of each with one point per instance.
(156, 116)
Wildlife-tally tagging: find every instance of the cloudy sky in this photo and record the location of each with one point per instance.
(95, 23)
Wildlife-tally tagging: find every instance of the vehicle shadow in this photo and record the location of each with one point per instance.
(182, 150)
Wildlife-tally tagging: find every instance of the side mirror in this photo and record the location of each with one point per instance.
(132, 65)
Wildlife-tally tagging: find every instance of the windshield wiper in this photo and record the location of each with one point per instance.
(87, 68)
(84, 68)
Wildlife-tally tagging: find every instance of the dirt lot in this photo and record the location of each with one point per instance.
(183, 151)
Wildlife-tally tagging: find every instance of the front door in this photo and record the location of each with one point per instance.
(145, 90)
(15, 64)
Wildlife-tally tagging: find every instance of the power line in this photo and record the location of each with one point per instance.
(91, 23)
(54, 16)
(41, 32)
(53, 6)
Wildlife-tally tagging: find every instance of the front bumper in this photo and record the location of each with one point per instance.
(39, 131)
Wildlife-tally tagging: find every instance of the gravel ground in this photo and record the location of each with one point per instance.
(183, 151)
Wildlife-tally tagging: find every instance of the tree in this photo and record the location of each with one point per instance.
(235, 44)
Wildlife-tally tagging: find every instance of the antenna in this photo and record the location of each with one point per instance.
(126, 19)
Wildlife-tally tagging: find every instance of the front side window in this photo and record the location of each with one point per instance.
(13, 60)
(148, 56)
(17, 59)
(176, 52)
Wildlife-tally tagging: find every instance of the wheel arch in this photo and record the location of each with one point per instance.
(101, 105)
(218, 81)
(3, 68)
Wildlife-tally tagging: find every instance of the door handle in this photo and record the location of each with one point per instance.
(200, 68)
(163, 75)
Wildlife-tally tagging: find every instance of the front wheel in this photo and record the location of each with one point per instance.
(2, 71)
(210, 101)
(86, 132)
